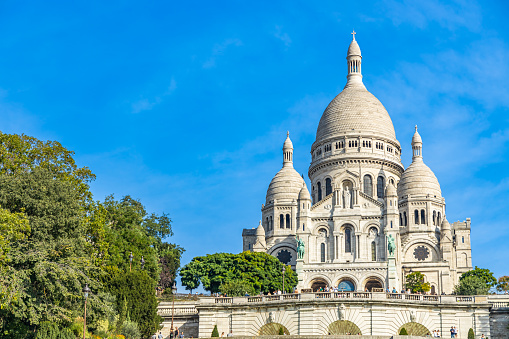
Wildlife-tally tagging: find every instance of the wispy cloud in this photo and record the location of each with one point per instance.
(219, 49)
(283, 36)
(145, 104)
(451, 15)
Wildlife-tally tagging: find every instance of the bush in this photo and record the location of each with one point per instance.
(50, 330)
(281, 331)
(237, 288)
(403, 331)
(471, 285)
(471, 334)
(130, 330)
(215, 332)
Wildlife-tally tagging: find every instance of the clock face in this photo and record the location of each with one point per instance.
(285, 257)
(421, 253)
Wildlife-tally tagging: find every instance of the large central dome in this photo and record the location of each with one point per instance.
(355, 110)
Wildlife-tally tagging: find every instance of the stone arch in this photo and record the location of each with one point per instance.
(368, 226)
(414, 328)
(276, 251)
(318, 282)
(342, 327)
(372, 282)
(347, 283)
(409, 249)
(272, 329)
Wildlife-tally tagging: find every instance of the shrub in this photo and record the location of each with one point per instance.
(215, 332)
(471, 334)
(130, 330)
(403, 331)
(281, 331)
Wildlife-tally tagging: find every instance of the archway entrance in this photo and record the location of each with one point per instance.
(372, 283)
(272, 329)
(346, 285)
(413, 328)
(317, 284)
(343, 327)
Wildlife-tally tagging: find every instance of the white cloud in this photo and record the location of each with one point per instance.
(146, 104)
(284, 37)
(219, 49)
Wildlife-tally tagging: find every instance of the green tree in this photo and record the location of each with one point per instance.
(281, 331)
(471, 334)
(483, 273)
(136, 300)
(471, 285)
(237, 288)
(261, 270)
(215, 332)
(415, 282)
(503, 283)
(403, 331)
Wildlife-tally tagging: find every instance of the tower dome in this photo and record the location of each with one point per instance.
(418, 179)
(355, 110)
(287, 183)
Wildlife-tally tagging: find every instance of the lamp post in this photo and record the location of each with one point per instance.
(86, 291)
(283, 271)
(130, 260)
(173, 292)
(142, 262)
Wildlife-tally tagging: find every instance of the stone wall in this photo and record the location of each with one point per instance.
(499, 321)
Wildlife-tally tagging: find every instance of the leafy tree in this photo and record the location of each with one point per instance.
(403, 331)
(215, 332)
(261, 270)
(169, 262)
(130, 330)
(136, 300)
(471, 334)
(237, 288)
(471, 285)
(415, 282)
(281, 331)
(503, 283)
(483, 273)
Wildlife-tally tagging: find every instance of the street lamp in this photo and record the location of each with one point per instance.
(283, 271)
(130, 260)
(142, 262)
(86, 291)
(173, 292)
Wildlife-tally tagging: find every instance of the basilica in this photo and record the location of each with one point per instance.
(361, 197)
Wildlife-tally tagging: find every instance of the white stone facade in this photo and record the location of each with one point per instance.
(360, 194)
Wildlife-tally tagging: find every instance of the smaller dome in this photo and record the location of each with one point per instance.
(286, 185)
(304, 193)
(419, 179)
(354, 48)
(445, 225)
(260, 231)
(390, 191)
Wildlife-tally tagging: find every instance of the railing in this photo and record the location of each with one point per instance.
(430, 297)
(272, 297)
(254, 299)
(177, 311)
(377, 290)
(362, 295)
(224, 300)
(499, 304)
(394, 296)
(290, 296)
(464, 299)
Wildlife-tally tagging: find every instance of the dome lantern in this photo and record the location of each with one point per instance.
(354, 59)
(288, 151)
(416, 146)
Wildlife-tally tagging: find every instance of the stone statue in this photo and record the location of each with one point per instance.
(348, 198)
(300, 249)
(390, 245)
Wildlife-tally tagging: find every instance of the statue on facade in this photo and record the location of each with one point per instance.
(300, 248)
(391, 245)
(347, 197)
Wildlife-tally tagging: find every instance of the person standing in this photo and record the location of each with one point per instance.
(160, 336)
(452, 331)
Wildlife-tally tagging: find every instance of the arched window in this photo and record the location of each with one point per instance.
(303, 227)
(319, 184)
(267, 225)
(249, 246)
(288, 223)
(416, 217)
(462, 240)
(380, 185)
(281, 221)
(373, 251)
(400, 220)
(439, 219)
(368, 185)
(348, 240)
(435, 218)
(423, 217)
(271, 224)
(322, 252)
(328, 186)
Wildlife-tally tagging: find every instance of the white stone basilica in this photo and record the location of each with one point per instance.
(360, 195)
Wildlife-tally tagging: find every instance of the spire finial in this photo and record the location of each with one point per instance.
(416, 128)
(287, 134)
(353, 35)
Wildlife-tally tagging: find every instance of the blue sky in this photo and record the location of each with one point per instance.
(185, 105)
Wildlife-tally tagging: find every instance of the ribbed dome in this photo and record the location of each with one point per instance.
(390, 191)
(260, 231)
(304, 193)
(354, 49)
(286, 185)
(419, 179)
(355, 110)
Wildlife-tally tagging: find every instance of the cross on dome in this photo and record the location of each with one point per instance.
(353, 34)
